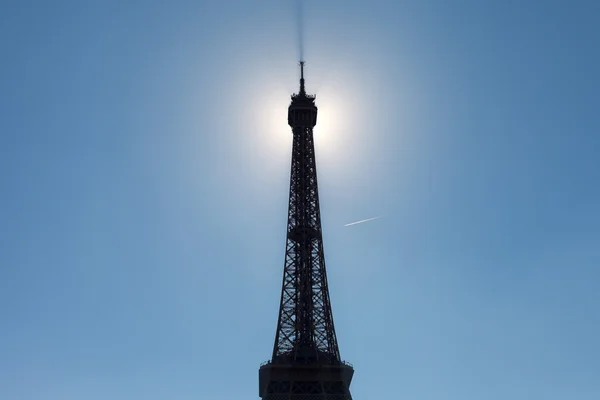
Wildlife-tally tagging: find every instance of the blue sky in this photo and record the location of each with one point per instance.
(144, 159)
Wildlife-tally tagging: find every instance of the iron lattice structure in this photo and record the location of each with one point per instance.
(306, 363)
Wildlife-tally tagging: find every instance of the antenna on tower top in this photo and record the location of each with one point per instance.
(302, 91)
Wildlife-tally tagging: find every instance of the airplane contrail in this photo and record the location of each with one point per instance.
(360, 222)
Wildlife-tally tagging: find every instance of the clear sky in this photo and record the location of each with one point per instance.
(144, 166)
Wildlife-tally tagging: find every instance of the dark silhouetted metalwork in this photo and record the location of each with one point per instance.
(306, 363)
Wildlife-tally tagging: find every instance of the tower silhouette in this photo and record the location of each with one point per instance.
(306, 363)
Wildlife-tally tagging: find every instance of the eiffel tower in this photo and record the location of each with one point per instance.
(306, 363)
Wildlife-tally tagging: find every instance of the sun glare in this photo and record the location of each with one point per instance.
(330, 123)
(329, 133)
(269, 143)
(274, 132)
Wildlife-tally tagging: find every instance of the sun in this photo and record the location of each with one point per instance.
(268, 138)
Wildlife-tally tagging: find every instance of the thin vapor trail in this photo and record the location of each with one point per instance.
(360, 222)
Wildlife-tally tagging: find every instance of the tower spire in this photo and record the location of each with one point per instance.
(302, 90)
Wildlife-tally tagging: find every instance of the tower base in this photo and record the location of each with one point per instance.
(305, 382)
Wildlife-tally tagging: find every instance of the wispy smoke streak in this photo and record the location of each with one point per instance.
(300, 21)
